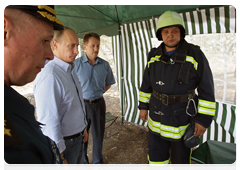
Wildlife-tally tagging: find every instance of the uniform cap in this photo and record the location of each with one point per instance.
(44, 12)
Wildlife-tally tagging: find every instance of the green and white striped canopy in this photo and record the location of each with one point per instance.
(130, 50)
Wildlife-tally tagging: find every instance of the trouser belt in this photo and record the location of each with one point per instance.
(93, 101)
(73, 136)
(173, 99)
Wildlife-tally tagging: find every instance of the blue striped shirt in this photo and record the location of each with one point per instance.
(59, 101)
(94, 78)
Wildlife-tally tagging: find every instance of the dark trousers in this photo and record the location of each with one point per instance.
(159, 150)
(74, 150)
(96, 120)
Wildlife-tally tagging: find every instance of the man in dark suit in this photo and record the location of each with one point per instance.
(28, 31)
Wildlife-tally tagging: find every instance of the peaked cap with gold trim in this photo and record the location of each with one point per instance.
(44, 12)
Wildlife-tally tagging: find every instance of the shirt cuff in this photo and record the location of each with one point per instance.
(61, 145)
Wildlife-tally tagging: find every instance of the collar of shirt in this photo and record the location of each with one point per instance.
(171, 52)
(64, 65)
(85, 59)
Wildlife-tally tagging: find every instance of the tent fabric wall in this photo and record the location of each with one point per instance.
(223, 127)
(131, 59)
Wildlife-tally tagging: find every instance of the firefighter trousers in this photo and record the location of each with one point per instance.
(160, 150)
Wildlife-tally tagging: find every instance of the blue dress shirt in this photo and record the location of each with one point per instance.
(59, 101)
(93, 78)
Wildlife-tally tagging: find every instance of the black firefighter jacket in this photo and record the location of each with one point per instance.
(183, 71)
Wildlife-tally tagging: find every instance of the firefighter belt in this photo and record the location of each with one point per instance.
(173, 99)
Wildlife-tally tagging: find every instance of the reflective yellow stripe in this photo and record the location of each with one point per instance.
(144, 97)
(206, 107)
(167, 131)
(153, 59)
(188, 59)
(143, 100)
(191, 60)
(160, 162)
(205, 103)
(205, 111)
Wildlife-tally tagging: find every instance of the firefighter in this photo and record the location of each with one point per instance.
(177, 88)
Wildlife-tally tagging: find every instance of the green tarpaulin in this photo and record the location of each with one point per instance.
(106, 19)
(214, 152)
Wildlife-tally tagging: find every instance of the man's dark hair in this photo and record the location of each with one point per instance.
(89, 35)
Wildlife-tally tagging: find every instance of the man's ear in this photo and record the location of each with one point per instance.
(7, 28)
(84, 46)
(55, 45)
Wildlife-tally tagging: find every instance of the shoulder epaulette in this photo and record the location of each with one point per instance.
(11, 136)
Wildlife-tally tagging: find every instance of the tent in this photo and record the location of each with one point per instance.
(131, 28)
(106, 19)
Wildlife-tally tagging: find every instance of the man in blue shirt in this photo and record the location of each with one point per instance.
(59, 99)
(96, 78)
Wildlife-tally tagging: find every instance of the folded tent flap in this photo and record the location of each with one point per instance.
(215, 152)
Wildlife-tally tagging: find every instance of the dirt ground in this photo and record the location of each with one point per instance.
(129, 146)
(127, 150)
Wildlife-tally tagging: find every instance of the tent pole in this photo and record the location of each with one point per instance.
(121, 60)
(122, 78)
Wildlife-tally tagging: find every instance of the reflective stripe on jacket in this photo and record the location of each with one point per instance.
(185, 70)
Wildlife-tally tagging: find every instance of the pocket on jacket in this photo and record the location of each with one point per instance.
(182, 118)
(154, 104)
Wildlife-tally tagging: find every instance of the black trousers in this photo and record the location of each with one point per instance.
(161, 149)
(96, 120)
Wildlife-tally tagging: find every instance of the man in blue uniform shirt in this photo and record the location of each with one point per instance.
(27, 36)
(59, 99)
(96, 78)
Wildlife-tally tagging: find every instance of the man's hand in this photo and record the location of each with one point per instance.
(199, 129)
(107, 87)
(85, 136)
(144, 115)
(65, 164)
(64, 161)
